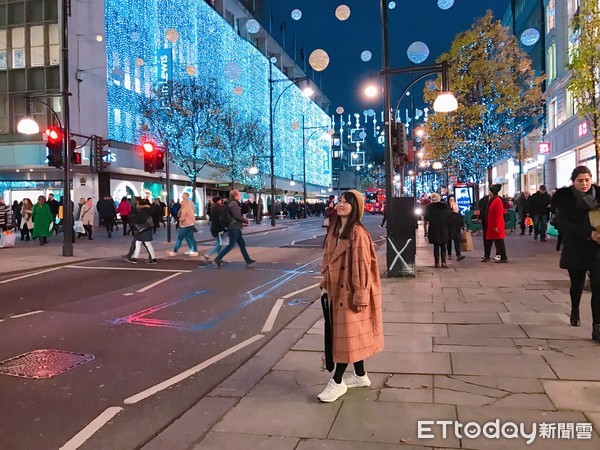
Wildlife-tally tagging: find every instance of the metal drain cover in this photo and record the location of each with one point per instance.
(43, 363)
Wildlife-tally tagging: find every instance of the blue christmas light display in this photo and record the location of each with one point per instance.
(204, 45)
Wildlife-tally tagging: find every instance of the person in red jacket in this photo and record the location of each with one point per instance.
(494, 230)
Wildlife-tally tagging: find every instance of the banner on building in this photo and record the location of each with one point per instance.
(165, 77)
(543, 147)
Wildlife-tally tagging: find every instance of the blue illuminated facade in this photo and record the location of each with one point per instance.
(202, 44)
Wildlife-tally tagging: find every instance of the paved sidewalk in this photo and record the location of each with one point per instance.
(28, 255)
(475, 342)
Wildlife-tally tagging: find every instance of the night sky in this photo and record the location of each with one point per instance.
(346, 75)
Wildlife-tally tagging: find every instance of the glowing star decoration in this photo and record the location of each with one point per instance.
(232, 71)
(339, 110)
(445, 4)
(318, 60)
(172, 35)
(238, 90)
(391, 5)
(252, 26)
(530, 36)
(139, 62)
(366, 55)
(191, 70)
(342, 12)
(296, 14)
(417, 52)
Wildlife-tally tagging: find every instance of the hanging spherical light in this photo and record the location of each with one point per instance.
(252, 26)
(191, 70)
(445, 4)
(232, 71)
(391, 5)
(342, 12)
(366, 55)
(417, 52)
(339, 110)
(139, 62)
(530, 36)
(295, 126)
(238, 90)
(296, 14)
(172, 35)
(318, 60)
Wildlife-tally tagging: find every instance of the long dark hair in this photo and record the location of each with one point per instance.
(353, 218)
(579, 170)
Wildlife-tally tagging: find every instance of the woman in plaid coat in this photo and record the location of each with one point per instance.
(352, 290)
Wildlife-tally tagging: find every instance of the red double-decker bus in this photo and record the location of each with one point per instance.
(375, 200)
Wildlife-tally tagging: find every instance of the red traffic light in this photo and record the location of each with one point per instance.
(53, 134)
(148, 147)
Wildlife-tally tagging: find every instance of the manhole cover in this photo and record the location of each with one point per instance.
(42, 363)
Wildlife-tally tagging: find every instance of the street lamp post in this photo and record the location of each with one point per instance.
(272, 108)
(304, 141)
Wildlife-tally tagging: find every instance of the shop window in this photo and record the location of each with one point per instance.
(18, 47)
(36, 45)
(3, 64)
(53, 44)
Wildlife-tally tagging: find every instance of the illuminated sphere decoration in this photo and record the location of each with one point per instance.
(238, 90)
(296, 14)
(391, 5)
(530, 36)
(417, 52)
(370, 112)
(191, 70)
(295, 126)
(362, 135)
(232, 71)
(445, 4)
(318, 60)
(252, 26)
(342, 12)
(366, 55)
(139, 62)
(172, 35)
(339, 110)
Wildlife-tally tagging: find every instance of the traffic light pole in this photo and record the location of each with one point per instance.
(67, 219)
(168, 182)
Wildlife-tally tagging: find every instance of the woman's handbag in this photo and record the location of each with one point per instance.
(325, 223)
(78, 226)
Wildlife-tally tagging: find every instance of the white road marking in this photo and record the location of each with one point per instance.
(30, 275)
(150, 286)
(272, 316)
(30, 313)
(129, 293)
(128, 268)
(182, 376)
(300, 290)
(79, 439)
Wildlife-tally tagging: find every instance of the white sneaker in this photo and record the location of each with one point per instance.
(172, 253)
(187, 253)
(354, 381)
(332, 391)
(193, 253)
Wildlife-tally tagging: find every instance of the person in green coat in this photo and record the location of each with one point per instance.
(42, 218)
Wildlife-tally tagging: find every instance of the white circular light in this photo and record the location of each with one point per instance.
(296, 14)
(252, 26)
(445, 4)
(530, 36)
(366, 55)
(391, 5)
(99, 38)
(232, 71)
(339, 110)
(342, 12)
(371, 91)
(417, 52)
(273, 60)
(318, 60)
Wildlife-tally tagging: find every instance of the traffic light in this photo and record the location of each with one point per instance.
(159, 160)
(399, 144)
(149, 156)
(75, 156)
(54, 144)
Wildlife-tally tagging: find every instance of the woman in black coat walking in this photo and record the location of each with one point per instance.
(437, 217)
(581, 241)
(455, 226)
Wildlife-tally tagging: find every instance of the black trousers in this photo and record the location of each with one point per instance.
(439, 249)
(500, 248)
(109, 223)
(456, 242)
(577, 282)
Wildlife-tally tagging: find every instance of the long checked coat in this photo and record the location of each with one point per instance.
(351, 278)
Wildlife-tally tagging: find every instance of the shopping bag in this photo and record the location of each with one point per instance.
(466, 241)
(7, 239)
(528, 222)
(224, 238)
(78, 227)
(325, 223)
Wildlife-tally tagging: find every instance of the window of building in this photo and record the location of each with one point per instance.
(550, 16)
(18, 47)
(3, 114)
(53, 44)
(3, 64)
(552, 114)
(573, 7)
(551, 64)
(571, 104)
(36, 45)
